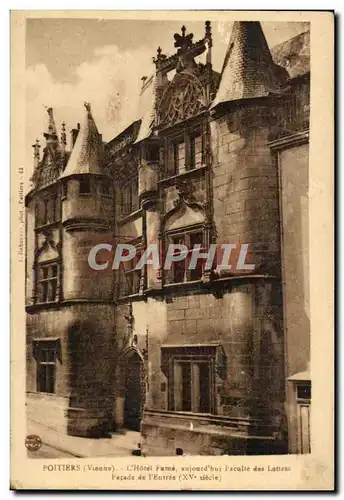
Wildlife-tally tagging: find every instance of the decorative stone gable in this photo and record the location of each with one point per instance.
(191, 89)
(48, 170)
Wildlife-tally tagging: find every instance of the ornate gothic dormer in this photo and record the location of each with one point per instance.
(47, 170)
(190, 91)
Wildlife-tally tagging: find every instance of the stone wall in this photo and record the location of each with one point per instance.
(246, 321)
(245, 184)
(294, 183)
(79, 279)
(84, 368)
(164, 433)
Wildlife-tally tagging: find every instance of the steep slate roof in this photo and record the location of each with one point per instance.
(146, 109)
(248, 69)
(86, 154)
(294, 55)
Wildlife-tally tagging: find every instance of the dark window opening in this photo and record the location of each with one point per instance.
(186, 386)
(195, 151)
(129, 197)
(179, 157)
(180, 271)
(85, 185)
(304, 391)
(184, 153)
(47, 210)
(64, 190)
(179, 267)
(46, 367)
(196, 239)
(47, 282)
(105, 187)
(192, 386)
(133, 279)
(153, 153)
(132, 275)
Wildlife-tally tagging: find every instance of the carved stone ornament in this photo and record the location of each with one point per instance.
(184, 97)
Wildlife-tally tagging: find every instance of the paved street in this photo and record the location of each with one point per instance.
(48, 452)
(116, 446)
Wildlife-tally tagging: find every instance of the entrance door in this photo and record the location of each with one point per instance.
(134, 392)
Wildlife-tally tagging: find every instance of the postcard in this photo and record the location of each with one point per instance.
(172, 250)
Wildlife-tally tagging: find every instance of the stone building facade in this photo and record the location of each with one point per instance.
(200, 361)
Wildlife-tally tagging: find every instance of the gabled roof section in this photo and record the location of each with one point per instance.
(248, 69)
(294, 55)
(86, 154)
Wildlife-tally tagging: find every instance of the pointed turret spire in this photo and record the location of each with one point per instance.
(248, 69)
(86, 154)
(51, 134)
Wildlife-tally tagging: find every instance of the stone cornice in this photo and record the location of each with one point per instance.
(291, 140)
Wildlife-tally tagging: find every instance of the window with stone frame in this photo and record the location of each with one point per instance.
(47, 282)
(192, 385)
(47, 210)
(45, 354)
(185, 153)
(132, 276)
(196, 151)
(180, 272)
(191, 374)
(129, 197)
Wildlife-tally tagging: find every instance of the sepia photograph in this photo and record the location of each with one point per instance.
(165, 241)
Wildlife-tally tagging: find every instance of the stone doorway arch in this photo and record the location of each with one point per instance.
(134, 388)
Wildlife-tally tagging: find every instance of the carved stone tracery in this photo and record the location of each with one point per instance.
(184, 97)
(188, 93)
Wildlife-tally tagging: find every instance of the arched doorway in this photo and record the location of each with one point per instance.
(134, 389)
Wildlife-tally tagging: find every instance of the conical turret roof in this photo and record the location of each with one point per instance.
(248, 69)
(86, 154)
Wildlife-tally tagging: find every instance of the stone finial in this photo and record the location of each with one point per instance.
(51, 135)
(208, 35)
(51, 122)
(88, 109)
(159, 57)
(36, 153)
(63, 134)
(183, 41)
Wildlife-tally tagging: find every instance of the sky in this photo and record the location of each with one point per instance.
(102, 61)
